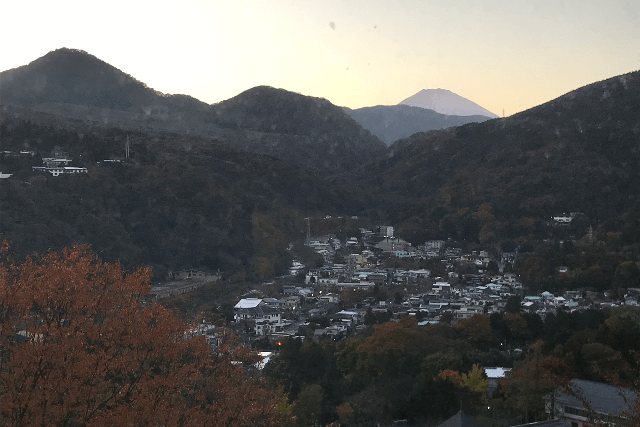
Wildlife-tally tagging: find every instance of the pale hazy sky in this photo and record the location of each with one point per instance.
(500, 54)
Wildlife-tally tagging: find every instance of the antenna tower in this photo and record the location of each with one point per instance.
(308, 231)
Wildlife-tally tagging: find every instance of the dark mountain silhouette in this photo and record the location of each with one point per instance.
(192, 195)
(310, 132)
(303, 131)
(392, 122)
(500, 178)
(70, 76)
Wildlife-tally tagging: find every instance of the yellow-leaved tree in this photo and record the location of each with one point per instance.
(471, 387)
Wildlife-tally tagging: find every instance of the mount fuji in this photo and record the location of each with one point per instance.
(446, 102)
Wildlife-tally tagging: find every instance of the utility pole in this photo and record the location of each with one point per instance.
(308, 231)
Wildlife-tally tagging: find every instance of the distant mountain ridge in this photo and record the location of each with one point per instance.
(444, 101)
(392, 122)
(195, 193)
(506, 177)
(306, 132)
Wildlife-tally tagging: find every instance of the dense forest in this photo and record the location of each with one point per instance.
(212, 197)
(177, 202)
(503, 179)
(425, 374)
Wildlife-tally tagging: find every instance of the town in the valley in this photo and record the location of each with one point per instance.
(367, 287)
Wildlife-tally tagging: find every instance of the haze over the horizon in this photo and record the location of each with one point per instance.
(499, 54)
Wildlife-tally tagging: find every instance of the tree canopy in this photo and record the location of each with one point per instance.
(80, 348)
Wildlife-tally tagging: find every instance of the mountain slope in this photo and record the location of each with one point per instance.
(393, 122)
(71, 76)
(178, 201)
(310, 132)
(503, 178)
(446, 102)
(303, 131)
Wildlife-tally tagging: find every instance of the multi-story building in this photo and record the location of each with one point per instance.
(261, 318)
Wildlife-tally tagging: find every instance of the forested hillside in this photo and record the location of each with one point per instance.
(303, 131)
(425, 374)
(496, 183)
(503, 179)
(177, 202)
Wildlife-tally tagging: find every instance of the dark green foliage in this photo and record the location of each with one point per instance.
(305, 131)
(390, 374)
(559, 327)
(371, 318)
(575, 153)
(301, 365)
(621, 331)
(513, 304)
(435, 363)
(178, 202)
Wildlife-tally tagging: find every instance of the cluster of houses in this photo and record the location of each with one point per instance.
(382, 242)
(58, 164)
(335, 308)
(337, 299)
(340, 298)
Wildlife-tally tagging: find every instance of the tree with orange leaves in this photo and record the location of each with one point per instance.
(79, 347)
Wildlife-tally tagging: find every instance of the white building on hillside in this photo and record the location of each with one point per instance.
(254, 311)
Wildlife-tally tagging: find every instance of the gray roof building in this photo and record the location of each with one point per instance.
(584, 403)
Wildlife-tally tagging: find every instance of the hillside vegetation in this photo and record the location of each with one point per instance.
(177, 202)
(228, 185)
(503, 179)
(303, 131)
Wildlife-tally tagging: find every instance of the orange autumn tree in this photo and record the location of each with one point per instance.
(80, 348)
